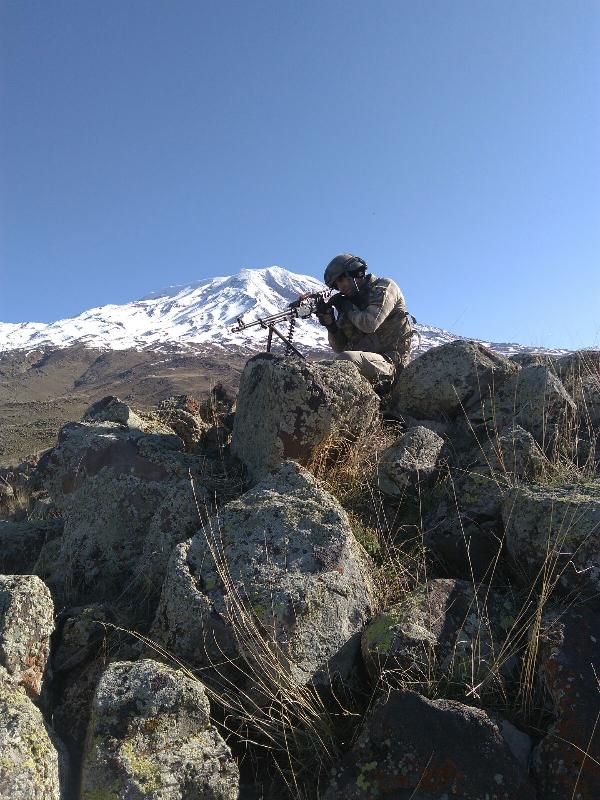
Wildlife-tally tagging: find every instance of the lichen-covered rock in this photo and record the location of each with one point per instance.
(22, 541)
(569, 650)
(111, 409)
(555, 529)
(410, 462)
(286, 408)
(26, 622)
(411, 747)
(438, 384)
(174, 521)
(534, 398)
(110, 482)
(150, 736)
(442, 630)
(32, 762)
(580, 374)
(464, 531)
(292, 565)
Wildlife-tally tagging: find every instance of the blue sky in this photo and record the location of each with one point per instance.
(455, 145)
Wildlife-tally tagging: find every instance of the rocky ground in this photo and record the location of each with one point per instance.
(310, 591)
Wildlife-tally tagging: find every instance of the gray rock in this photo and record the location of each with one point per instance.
(109, 483)
(287, 408)
(438, 384)
(150, 735)
(174, 521)
(111, 409)
(580, 374)
(411, 462)
(555, 529)
(32, 761)
(291, 565)
(411, 747)
(21, 543)
(26, 622)
(533, 398)
(441, 631)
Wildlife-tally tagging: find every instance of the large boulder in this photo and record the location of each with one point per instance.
(441, 631)
(580, 374)
(26, 623)
(534, 398)
(410, 463)
(554, 532)
(281, 564)
(567, 760)
(287, 408)
(150, 735)
(110, 482)
(439, 383)
(419, 749)
(32, 761)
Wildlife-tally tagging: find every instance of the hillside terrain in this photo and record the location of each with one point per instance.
(42, 389)
(174, 341)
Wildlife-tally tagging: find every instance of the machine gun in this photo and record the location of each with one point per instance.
(302, 308)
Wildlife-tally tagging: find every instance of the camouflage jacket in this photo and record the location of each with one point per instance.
(378, 323)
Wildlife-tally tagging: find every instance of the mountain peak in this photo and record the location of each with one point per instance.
(199, 312)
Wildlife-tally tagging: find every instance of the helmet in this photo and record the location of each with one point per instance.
(344, 264)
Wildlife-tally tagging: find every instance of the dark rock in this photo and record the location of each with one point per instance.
(411, 747)
(567, 761)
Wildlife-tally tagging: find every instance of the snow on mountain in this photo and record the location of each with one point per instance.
(199, 313)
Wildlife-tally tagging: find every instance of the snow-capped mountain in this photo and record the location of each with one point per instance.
(198, 313)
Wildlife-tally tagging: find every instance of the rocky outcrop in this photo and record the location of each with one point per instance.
(288, 408)
(26, 622)
(410, 463)
(411, 747)
(150, 736)
(555, 531)
(110, 482)
(567, 761)
(280, 560)
(438, 384)
(32, 761)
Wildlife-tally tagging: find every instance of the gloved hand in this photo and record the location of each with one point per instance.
(341, 303)
(326, 319)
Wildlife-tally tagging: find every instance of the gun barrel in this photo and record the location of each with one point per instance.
(264, 321)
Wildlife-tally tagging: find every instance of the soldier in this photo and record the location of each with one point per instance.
(372, 327)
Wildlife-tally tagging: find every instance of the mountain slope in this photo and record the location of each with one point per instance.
(199, 313)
